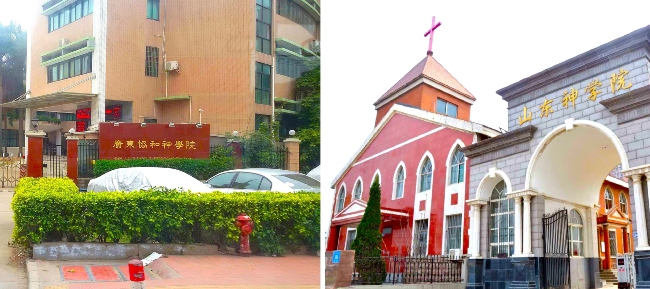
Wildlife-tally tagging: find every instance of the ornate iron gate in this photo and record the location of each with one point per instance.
(55, 163)
(11, 170)
(556, 263)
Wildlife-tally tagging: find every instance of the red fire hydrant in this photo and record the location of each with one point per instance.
(136, 273)
(245, 225)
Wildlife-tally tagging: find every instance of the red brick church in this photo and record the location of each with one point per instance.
(413, 152)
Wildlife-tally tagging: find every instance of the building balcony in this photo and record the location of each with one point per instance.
(68, 51)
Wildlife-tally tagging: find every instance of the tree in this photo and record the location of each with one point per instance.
(367, 244)
(13, 63)
(260, 150)
(308, 130)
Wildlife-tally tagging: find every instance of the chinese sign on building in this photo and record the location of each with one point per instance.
(131, 140)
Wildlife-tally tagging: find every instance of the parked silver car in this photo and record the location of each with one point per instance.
(246, 180)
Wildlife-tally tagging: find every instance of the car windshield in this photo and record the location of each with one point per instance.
(300, 182)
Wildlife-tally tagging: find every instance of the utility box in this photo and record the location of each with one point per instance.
(623, 270)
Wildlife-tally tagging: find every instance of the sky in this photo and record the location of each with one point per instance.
(18, 11)
(367, 46)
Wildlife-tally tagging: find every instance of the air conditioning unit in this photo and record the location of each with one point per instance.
(171, 65)
(454, 253)
(63, 42)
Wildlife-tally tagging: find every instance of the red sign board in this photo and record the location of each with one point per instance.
(131, 140)
(83, 113)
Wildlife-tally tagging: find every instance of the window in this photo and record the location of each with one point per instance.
(399, 183)
(71, 13)
(421, 237)
(446, 108)
(67, 116)
(265, 185)
(609, 199)
(68, 68)
(295, 13)
(300, 182)
(425, 175)
(261, 119)
(262, 83)
(501, 222)
(247, 181)
(357, 190)
(575, 236)
(10, 137)
(457, 168)
(612, 244)
(153, 9)
(622, 200)
(352, 234)
(290, 67)
(151, 62)
(222, 180)
(341, 200)
(454, 223)
(263, 28)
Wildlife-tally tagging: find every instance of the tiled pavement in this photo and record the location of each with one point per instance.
(179, 272)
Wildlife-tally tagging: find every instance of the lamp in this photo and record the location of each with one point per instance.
(235, 133)
(116, 124)
(35, 123)
(292, 132)
(198, 125)
(144, 124)
(171, 124)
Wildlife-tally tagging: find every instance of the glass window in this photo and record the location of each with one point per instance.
(501, 222)
(457, 168)
(446, 108)
(71, 13)
(69, 68)
(420, 240)
(151, 62)
(352, 234)
(153, 7)
(262, 83)
(399, 183)
(425, 175)
(290, 67)
(575, 232)
(222, 180)
(263, 28)
(357, 191)
(622, 200)
(261, 119)
(297, 14)
(265, 185)
(609, 199)
(340, 202)
(247, 181)
(612, 244)
(454, 232)
(299, 181)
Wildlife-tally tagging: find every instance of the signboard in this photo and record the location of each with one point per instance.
(336, 257)
(131, 140)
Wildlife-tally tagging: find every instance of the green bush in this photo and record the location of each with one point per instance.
(201, 169)
(50, 210)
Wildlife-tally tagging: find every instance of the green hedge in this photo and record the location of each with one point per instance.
(201, 169)
(50, 210)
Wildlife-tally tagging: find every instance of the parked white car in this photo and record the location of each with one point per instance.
(143, 178)
(249, 180)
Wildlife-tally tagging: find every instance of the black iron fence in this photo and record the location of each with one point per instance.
(272, 158)
(55, 163)
(405, 269)
(88, 153)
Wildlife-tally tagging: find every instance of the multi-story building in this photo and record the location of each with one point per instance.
(230, 63)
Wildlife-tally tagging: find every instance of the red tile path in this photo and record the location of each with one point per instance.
(105, 273)
(74, 273)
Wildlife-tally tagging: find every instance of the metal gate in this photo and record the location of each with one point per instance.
(556, 263)
(11, 170)
(55, 163)
(88, 153)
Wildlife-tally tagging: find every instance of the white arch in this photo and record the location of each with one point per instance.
(403, 166)
(563, 128)
(418, 177)
(359, 181)
(450, 156)
(338, 193)
(485, 186)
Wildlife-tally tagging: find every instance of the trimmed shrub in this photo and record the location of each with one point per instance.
(50, 210)
(200, 169)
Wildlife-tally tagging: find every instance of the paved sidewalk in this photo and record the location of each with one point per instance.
(12, 274)
(180, 272)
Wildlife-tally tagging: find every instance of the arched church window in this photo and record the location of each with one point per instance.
(341, 200)
(399, 183)
(457, 168)
(425, 175)
(357, 190)
(501, 222)
(609, 199)
(622, 200)
(575, 229)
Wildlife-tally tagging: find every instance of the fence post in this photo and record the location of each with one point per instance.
(73, 158)
(35, 153)
(292, 159)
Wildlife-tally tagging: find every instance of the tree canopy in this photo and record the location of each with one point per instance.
(308, 130)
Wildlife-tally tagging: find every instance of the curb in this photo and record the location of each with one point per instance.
(32, 274)
(65, 251)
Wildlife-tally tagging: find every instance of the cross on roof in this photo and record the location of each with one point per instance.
(429, 33)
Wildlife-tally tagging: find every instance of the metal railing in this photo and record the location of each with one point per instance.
(408, 269)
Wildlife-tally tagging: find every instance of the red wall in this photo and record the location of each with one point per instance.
(399, 129)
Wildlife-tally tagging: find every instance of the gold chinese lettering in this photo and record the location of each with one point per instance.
(546, 108)
(118, 144)
(179, 144)
(142, 144)
(190, 145)
(593, 90)
(570, 97)
(526, 117)
(154, 144)
(129, 144)
(617, 80)
(166, 144)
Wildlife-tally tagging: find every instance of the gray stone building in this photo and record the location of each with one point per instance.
(534, 190)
